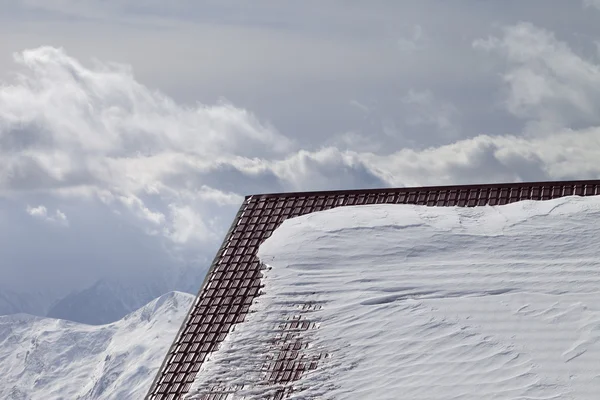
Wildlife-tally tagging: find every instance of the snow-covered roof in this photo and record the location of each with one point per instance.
(293, 353)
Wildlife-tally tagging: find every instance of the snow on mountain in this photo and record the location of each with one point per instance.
(102, 303)
(45, 358)
(109, 300)
(430, 303)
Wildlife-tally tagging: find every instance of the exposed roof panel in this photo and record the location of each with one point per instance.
(234, 279)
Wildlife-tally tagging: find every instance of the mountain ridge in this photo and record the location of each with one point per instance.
(47, 358)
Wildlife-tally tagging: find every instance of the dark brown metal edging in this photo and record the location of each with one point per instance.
(234, 278)
(470, 186)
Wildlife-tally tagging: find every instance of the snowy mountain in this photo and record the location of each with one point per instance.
(85, 306)
(45, 358)
(105, 301)
(110, 300)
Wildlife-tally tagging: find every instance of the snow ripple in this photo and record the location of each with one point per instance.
(431, 303)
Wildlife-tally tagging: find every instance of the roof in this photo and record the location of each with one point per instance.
(234, 279)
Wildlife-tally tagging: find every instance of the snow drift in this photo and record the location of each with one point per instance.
(431, 303)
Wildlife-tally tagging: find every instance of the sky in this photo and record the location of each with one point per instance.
(130, 132)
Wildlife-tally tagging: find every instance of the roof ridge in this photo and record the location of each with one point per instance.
(427, 188)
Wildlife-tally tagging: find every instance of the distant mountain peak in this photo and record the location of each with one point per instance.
(109, 300)
(56, 359)
(165, 304)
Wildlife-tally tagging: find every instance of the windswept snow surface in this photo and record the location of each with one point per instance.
(431, 303)
(45, 358)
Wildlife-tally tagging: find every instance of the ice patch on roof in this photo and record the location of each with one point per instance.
(428, 303)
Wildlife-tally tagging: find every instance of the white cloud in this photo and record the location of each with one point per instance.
(558, 155)
(327, 168)
(41, 212)
(364, 108)
(66, 128)
(219, 197)
(61, 217)
(423, 108)
(93, 142)
(592, 3)
(38, 212)
(412, 42)
(137, 206)
(548, 84)
(73, 131)
(187, 225)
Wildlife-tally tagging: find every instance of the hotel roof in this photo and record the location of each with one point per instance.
(234, 279)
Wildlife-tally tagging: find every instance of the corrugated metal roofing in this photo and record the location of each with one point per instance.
(234, 279)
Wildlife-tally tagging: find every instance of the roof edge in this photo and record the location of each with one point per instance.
(413, 188)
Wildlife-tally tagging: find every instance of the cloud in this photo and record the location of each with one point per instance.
(592, 3)
(566, 155)
(548, 84)
(133, 169)
(147, 181)
(67, 128)
(412, 42)
(326, 169)
(364, 108)
(417, 119)
(72, 131)
(423, 108)
(188, 224)
(41, 212)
